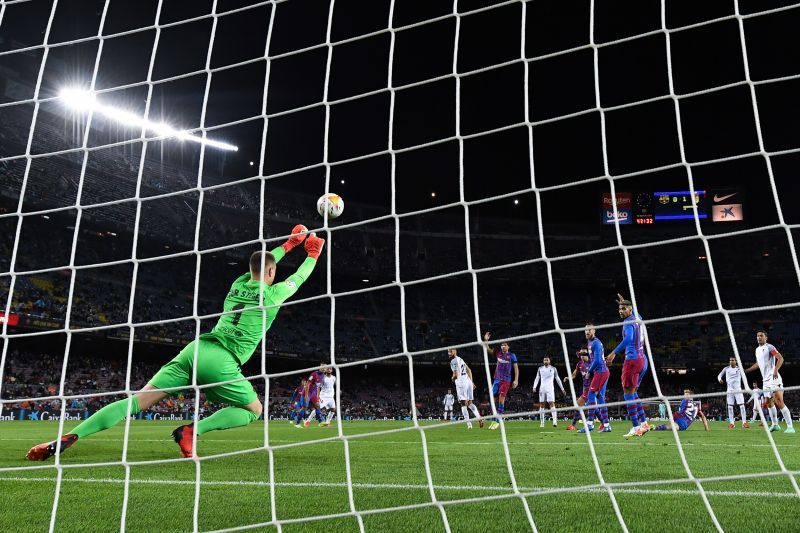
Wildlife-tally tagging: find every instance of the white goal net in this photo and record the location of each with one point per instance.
(196, 205)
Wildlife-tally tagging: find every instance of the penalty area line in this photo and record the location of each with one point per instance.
(400, 486)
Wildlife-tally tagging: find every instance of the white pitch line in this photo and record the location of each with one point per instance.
(403, 486)
(363, 440)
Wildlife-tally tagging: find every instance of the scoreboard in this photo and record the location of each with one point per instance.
(658, 207)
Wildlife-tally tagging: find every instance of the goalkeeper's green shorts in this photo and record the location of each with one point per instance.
(214, 364)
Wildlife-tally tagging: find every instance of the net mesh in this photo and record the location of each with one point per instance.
(198, 251)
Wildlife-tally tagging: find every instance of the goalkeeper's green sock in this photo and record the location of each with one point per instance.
(107, 417)
(230, 417)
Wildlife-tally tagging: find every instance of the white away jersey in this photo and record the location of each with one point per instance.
(547, 375)
(328, 383)
(733, 377)
(460, 367)
(765, 357)
(448, 400)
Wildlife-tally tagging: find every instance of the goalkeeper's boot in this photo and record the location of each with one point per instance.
(47, 450)
(631, 433)
(645, 427)
(183, 436)
(789, 429)
(746, 426)
(570, 428)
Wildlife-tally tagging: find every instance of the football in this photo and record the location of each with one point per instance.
(332, 203)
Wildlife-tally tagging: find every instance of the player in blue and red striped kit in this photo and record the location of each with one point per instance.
(582, 368)
(506, 360)
(634, 366)
(599, 372)
(298, 403)
(311, 395)
(687, 413)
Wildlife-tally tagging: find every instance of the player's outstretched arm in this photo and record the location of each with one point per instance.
(751, 368)
(297, 238)
(284, 290)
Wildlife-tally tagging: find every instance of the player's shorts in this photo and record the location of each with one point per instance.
(214, 364)
(448, 409)
(735, 398)
(547, 396)
(643, 373)
(631, 370)
(599, 381)
(771, 386)
(680, 421)
(327, 402)
(464, 390)
(500, 388)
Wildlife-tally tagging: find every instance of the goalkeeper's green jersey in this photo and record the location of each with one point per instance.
(244, 324)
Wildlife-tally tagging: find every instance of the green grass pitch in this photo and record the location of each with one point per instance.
(388, 470)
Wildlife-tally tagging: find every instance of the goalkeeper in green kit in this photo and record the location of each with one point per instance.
(220, 354)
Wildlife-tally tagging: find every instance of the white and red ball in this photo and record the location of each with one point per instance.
(332, 203)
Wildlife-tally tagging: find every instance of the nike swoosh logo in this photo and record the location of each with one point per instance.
(720, 198)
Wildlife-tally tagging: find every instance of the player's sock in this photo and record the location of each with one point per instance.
(318, 414)
(541, 416)
(633, 411)
(554, 414)
(501, 408)
(787, 416)
(640, 414)
(662, 427)
(474, 409)
(444, 416)
(229, 417)
(465, 413)
(329, 417)
(743, 410)
(604, 413)
(773, 415)
(107, 417)
(591, 400)
(731, 418)
(576, 417)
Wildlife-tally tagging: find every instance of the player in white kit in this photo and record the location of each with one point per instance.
(327, 396)
(756, 399)
(733, 376)
(547, 375)
(462, 377)
(448, 402)
(769, 360)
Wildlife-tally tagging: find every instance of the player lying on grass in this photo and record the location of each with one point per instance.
(220, 354)
(769, 360)
(462, 377)
(685, 415)
(298, 404)
(502, 376)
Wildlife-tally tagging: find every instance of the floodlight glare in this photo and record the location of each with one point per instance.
(81, 100)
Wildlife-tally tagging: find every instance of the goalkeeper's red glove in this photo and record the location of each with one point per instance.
(297, 239)
(314, 245)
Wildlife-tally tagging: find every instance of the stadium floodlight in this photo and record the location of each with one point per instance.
(82, 100)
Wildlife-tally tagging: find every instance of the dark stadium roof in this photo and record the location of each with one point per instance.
(717, 124)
